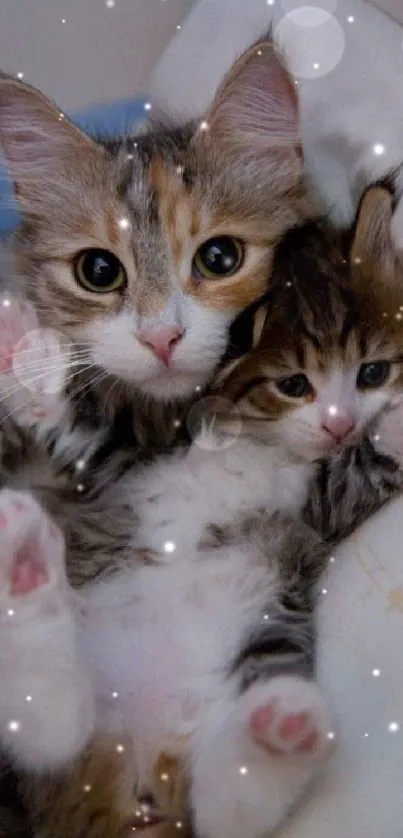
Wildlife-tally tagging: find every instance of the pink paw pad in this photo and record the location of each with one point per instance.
(281, 731)
(31, 547)
(27, 574)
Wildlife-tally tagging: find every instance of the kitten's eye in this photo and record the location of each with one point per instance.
(99, 271)
(218, 258)
(295, 386)
(373, 375)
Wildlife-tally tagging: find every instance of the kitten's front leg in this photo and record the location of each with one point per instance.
(359, 478)
(46, 704)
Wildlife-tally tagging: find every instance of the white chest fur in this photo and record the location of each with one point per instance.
(160, 636)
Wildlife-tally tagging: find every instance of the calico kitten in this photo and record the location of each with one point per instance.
(141, 252)
(219, 593)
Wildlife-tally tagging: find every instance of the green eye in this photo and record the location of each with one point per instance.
(373, 375)
(295, 386)
(99, 271)
(218, 258)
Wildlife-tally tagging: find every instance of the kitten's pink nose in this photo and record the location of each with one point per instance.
(162, 341)
(338, 426)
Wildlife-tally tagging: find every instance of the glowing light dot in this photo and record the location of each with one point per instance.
(61, 117)
(164, 778)
(129, 156)
(243, 770)
(384, 314)
(376, 437)
(179, 824)
(120, 749)
(324, 591)
(366, 735)
(80, 464)
(178, 26)
(204, 126)
(393, 727)
(177, 423)
(110, 4)
(14, 726)
(333, 410)
(296, 82)
(265, 617)
(400, 308)
(169, 547)
(288, 284)
(316, 66)
(63, 19)
(80, 487)
(331, 735)
(124, 223)
(115, 695)
(376, 673)
(332, 559)
(357, 260)
(198, 389)
(378, 149)
(259, 52)
(270, 2)
(20, 75)
(87, 788)
(147, 106)
(351, 19)
(6, 303)
(10, 612)
(28, 698)
(398, 316)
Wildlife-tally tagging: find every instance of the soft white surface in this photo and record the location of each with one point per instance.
(345, 113)
(100, 54)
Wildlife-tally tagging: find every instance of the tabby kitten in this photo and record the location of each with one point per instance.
(141, 252)
(219, 590)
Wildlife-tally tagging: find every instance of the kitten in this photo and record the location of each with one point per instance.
(141, 252)
(201, 646)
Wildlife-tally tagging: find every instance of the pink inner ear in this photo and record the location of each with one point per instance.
(257, 103)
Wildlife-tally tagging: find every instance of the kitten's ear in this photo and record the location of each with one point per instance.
(256, 106)
(39, 144)
(372, 252)
(259, 323)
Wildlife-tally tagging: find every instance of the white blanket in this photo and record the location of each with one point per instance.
(352, 131)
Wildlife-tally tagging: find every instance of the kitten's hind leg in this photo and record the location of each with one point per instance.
(257, 755)
(46, 705)
(264, 741)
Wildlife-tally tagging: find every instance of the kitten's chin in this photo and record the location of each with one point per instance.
(172, 386)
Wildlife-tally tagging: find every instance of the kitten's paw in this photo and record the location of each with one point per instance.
(289, 717)
(31, 547)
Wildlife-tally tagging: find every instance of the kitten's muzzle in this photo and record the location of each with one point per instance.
(162, 342)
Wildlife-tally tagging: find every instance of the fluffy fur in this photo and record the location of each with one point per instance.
(230, 692)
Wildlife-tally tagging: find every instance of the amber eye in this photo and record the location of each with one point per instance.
(295, 386)
(99, 271)
(373, 375)
(218, 258)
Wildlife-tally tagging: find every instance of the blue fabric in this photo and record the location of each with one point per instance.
(102, 120)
